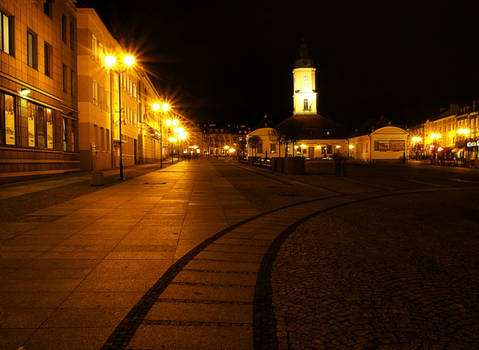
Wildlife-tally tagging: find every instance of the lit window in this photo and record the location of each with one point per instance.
(9, 120)
(305, 105)
(6, 32)
(31, 49)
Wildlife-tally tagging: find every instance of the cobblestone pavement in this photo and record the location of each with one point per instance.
(392, 273)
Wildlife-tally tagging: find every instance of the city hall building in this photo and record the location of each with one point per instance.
(313, 136)
(38, 88)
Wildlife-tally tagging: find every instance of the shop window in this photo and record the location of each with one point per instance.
(41, 128)
(6, 33)
(273, 148)
(31, 132)
(64, 135)
(49, 119)
(9, 120)
(31, 49)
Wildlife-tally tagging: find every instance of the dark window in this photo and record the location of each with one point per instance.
(47, 8)
(64, 78)
(6, 33)
(48, 59)
(64, 28)
(305, 105)
(72, 34)
(72, 82)
(31, 49)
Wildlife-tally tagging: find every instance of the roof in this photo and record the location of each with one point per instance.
(311, 127)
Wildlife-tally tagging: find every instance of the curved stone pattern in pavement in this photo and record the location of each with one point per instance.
(362, 279)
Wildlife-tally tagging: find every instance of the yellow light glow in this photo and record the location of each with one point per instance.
(179, 130)
(303, 146)
(435, 136)
(110, 61)
(464, 131)
(170, 122)
(182, 135)
(172, 139)
(165, 107)
(129, 60)
(24, 92)
(156, 107)
(338, 146)
(295, 147)
(416, 139)
(226, 147)
(440, 149)
(232, 150)
(351, 146)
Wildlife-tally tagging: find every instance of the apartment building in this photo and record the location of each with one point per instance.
(38, 88)
(99, 103)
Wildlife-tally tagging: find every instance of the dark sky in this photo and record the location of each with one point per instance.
(232, 60)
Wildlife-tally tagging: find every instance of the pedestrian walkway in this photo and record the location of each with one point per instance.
(72, 271)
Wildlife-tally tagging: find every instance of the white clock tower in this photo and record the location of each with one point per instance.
(304, 75)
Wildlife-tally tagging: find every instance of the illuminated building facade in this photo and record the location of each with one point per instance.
(452, 135)
(38, 88)
(218, 139)
(99, 107)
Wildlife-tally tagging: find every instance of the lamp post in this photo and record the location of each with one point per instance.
(170, 122)
(127, 62)
(165, 107)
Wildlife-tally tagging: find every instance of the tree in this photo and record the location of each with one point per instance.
(254, 141)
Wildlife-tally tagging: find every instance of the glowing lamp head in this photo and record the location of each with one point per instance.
(351, 146)
(338, 146)
(110, 61)
(129, 60)
(226, 147)
(303, 146)
(182, 135)
(231, 150)
(440, 149)
(156, 107)
(416, 139)
(165, 107)
(24, 92)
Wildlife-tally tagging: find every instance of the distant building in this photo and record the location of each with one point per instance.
(218, 139)
(38, 88)
(453, 134)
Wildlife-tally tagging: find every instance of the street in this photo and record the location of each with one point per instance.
(213, 254)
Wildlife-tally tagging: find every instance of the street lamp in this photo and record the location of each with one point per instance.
(165, 107)
(111, 63)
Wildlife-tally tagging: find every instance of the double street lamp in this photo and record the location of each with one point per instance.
(120, 67)
(165, 107)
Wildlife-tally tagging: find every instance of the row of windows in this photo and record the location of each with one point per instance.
(101, 138)
(100, 96)
(27, 124)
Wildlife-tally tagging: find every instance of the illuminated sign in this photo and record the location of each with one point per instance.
(472, 143)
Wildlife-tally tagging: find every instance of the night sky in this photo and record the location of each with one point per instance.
(231, 61)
